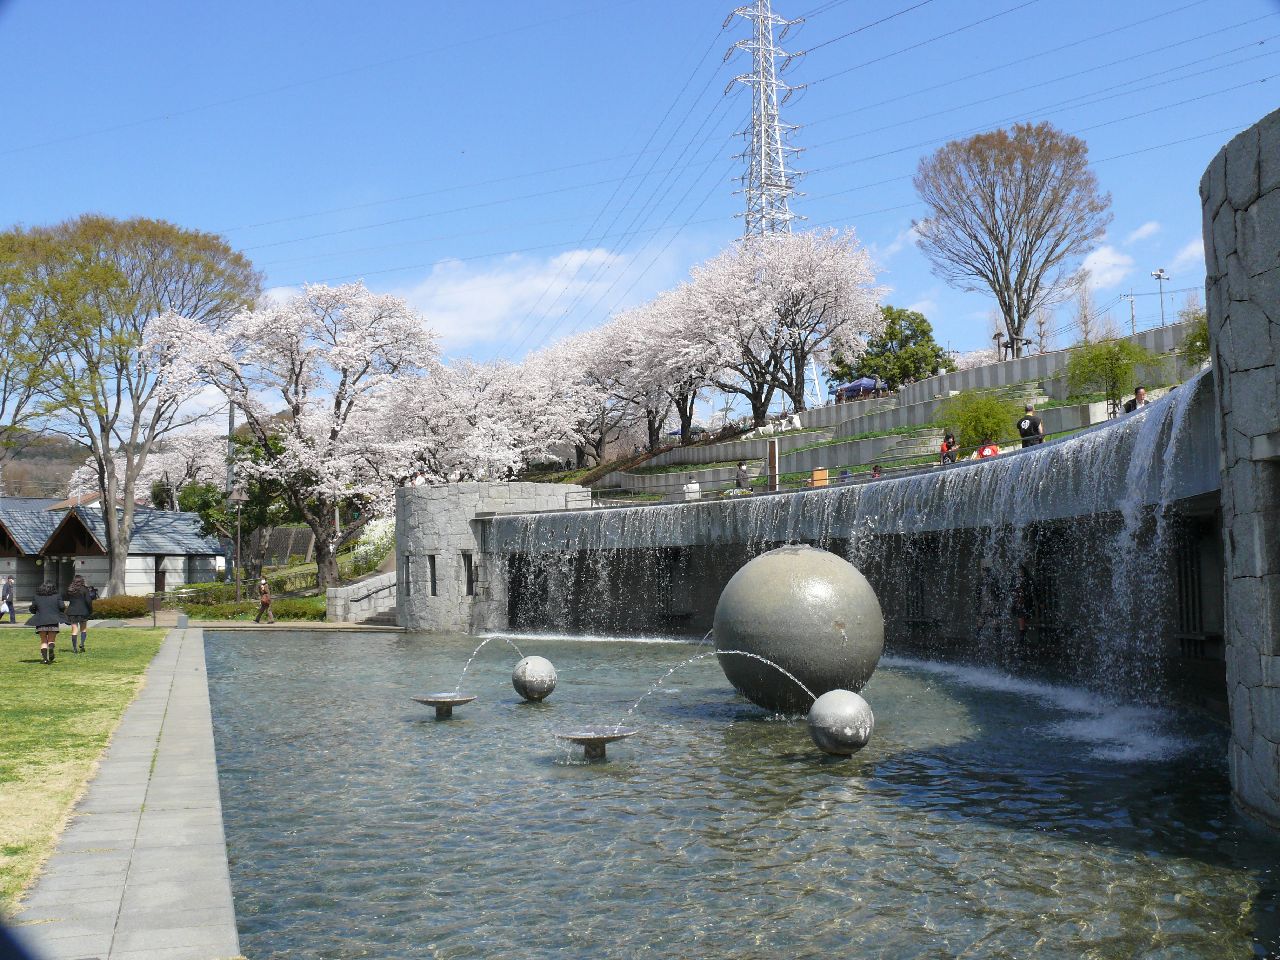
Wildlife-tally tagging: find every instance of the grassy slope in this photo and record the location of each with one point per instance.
(54, 723)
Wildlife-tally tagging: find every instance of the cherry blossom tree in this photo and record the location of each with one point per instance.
(311, 376)
(465, 421)
(775, 305)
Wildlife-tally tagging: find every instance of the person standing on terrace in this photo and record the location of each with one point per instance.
(1030, 427)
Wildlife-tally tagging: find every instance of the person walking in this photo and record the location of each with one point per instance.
(8, 599)
(46, 610)
(79, 608)
(264, 602)
(742, 479)
(692, 489)
(1030, 427)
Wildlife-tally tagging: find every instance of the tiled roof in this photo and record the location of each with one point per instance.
(28, 522)
(173, 533)
(169, 532)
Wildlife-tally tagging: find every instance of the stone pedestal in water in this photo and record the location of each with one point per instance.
(1241, 196)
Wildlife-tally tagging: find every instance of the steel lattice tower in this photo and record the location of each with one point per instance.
(767, 183)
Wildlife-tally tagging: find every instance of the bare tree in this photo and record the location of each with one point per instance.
(1044, 330)
(1085, 314)
(1011, 212)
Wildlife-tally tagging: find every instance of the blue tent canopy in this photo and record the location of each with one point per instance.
(861, 385)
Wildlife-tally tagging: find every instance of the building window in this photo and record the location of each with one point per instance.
(406, 573)
(431, 569)
(469, 572)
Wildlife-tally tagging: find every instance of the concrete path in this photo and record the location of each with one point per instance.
(141, 871)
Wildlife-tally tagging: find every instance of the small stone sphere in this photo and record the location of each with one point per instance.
(534, 678)
(841, 722)
(806, 610)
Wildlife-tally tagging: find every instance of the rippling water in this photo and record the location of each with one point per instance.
(989, 816)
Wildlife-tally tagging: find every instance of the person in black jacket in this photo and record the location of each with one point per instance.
(79, 608)
(47, 610)
(8, 596)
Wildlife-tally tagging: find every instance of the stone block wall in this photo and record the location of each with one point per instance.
(362, 600)
(1240, 192)
(445, 579)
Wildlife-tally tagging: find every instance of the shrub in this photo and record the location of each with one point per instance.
(122, 607)
(977, 416)
(293, 608)
(1109, 366)
(1195, 346)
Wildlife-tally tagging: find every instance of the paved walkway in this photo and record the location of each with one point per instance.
(141, 871)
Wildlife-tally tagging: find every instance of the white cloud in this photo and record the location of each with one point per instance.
(280, 295)
(1148, 229)
(926, 306)
(1190, 257)
(904, 239)
(1107, 267)
(471, 306)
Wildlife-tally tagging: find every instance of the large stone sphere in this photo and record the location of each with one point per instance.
(534, 678)
(808, 611)
(841, 722)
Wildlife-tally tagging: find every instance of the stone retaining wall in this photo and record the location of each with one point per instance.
(360, 601)
(1041, 367)
(444, 582)
(1241, 196)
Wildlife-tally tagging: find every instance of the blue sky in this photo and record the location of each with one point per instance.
(520, 170)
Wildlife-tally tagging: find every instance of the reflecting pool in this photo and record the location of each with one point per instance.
(989, 816)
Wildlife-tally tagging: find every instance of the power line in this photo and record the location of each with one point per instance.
(937, 140)
(865, 26)
(1100, 95)
(529, 314)
(1145, 21)
(1233, 128)
(814, 122)
(253, 95)
(924, 43)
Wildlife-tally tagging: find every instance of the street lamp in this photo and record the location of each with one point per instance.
(238, 498)
(1161, 277)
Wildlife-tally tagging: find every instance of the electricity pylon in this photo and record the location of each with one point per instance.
(767, 182)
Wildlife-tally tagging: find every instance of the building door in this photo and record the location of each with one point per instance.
(159, 574)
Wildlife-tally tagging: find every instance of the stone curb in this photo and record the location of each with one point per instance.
(141, 869)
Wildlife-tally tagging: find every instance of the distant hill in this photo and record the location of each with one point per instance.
(41, 466)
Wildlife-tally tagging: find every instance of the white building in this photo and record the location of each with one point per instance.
(45, 541)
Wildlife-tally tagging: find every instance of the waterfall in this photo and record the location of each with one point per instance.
(1075, 534)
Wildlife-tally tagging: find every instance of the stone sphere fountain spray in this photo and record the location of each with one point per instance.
(534, 678)
(806, 610)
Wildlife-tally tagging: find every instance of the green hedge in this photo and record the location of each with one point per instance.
(299, 608)
(122, 607)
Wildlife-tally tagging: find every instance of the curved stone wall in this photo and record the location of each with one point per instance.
(1241, 196)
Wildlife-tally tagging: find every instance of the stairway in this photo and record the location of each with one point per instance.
(383, 618)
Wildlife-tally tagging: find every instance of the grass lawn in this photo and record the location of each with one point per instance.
(54, 723)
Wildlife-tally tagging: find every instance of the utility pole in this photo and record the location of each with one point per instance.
(767, 183)
(1161, 277)
(1133, 320)
(231, 447)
